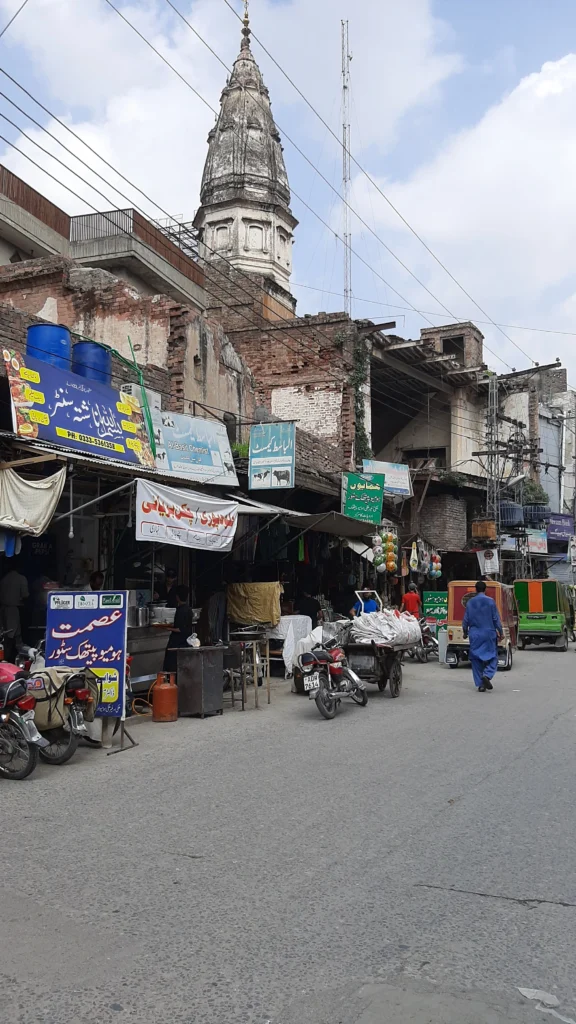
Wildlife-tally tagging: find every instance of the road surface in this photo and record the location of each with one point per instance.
(412, 861)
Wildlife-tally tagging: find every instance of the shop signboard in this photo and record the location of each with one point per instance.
(397, 476)
(190, 446)
(488, 561)
(537, 542)
(50, 404)
(435, 608)
(88, 630)
(560, 527)
(168, 515)
(272, 456)
(362, 496)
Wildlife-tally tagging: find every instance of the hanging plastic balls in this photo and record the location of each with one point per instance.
(381, 567)
(377, 549)
(379, 560)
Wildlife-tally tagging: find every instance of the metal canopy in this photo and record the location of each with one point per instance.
(329, 522)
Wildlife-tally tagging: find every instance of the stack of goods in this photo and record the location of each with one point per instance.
(386, 627)
(385, 551)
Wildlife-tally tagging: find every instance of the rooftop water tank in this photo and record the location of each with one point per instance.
(51, 343)
(92, 361)
(511, 514)
(536, 514)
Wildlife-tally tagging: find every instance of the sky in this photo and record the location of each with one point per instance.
(462, 115)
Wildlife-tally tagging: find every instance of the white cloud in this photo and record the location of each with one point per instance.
(137, 113)
(497, 205)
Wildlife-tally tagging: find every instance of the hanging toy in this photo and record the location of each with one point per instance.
(414, 557)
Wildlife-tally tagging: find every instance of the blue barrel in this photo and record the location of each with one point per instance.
(51, 343)
(511, 513)
(92, 361)
(537, 514)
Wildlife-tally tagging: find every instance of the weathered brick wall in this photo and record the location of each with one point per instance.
(443, 521)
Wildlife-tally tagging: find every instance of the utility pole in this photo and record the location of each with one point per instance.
(493, 457)
(346, 176)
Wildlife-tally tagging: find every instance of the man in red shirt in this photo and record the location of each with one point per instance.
(412, 602)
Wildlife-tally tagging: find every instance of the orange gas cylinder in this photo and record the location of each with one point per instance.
(165, 698)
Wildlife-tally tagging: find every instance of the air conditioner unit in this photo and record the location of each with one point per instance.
(154, 397)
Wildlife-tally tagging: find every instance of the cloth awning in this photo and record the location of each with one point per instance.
(362, 549)
(333, 523)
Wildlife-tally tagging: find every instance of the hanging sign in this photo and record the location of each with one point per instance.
(488, 561)
(190, 520)
(193, 447)
(362, 496)
(397, 476)
(272, 456)
(71, 411)
(88, 630)
(435, 607)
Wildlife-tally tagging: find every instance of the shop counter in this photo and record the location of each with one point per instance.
(147, 645)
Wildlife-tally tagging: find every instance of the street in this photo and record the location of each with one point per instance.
(412, 861)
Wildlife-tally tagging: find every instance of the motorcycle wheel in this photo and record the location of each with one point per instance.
(63, 746)
(421, 654)
(15, 750)
(360, 697)
(324, 701)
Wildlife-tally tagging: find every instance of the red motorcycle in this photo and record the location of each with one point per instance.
(20, 741)
(327, 678)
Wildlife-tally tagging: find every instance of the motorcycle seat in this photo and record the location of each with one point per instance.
(324, 657)
(19, 689)
(75, 683)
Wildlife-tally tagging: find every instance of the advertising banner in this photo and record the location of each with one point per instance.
(88, 630)
(537, 542)
(169, 515)
(397, 476)
(65, 409)
(435, 608)
(272, 456)
(560, 527)
(362, 496)
(488, 561)
(193, 447)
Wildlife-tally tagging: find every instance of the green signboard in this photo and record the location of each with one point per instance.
(362, 495)
(435, 607)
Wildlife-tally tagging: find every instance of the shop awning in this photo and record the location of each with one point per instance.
(333, 523)
(362, 549)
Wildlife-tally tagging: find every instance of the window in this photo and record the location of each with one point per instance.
(255, 237)
(221, 237)
(425, 458)
(454, 347)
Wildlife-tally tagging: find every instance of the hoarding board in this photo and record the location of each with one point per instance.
(88, 630)
(435, 608)
(190, 446)
(560, 527)
(50, 404)
(272, 456)
(397, 476)
(362, 496)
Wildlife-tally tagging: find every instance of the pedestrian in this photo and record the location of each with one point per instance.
(370, 605)
(180, 629)
(96, 582)
(308, 605)
(412, 602)
(482, 625)
(13, 593)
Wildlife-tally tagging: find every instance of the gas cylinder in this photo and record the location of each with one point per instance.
(165, 698)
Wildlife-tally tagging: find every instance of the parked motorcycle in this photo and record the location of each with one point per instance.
(428, 645)
(20, 741)
(327, 678)
(64, 699)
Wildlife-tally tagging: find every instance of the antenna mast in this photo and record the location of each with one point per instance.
(346, 58)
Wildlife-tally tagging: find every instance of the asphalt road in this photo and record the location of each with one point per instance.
(412, 861)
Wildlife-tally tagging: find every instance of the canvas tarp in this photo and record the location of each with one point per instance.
(254, 602)
(28, 505)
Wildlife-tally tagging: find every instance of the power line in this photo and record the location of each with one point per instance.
(409, 309)
(13, 18)
(381, 192)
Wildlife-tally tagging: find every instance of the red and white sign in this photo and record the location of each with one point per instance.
(169, 515)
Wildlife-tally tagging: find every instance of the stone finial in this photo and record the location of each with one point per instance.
(246, 28)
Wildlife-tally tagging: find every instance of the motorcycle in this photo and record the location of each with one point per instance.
(20, 741)
(427, 646)
(327, 678)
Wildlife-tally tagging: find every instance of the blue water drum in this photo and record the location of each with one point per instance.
(92, 361)
(537, 514)
(511, 514)
(51, 343)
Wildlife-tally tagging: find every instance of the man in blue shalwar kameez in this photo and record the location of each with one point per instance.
(482, 625)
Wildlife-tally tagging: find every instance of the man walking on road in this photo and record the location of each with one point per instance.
(482, 624)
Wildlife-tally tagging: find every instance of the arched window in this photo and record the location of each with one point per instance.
(256, 237)
(221, 236)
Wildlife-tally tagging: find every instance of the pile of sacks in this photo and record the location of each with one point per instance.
(386, 627)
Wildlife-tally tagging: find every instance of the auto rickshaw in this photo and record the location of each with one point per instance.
(546, 613)
(459, 593)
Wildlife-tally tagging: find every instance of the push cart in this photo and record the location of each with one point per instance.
(380, 664)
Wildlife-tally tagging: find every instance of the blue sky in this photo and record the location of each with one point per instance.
(463, 113)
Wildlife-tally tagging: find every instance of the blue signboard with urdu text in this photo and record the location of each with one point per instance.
(87, 629)
(272, 456)
(61, 407)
